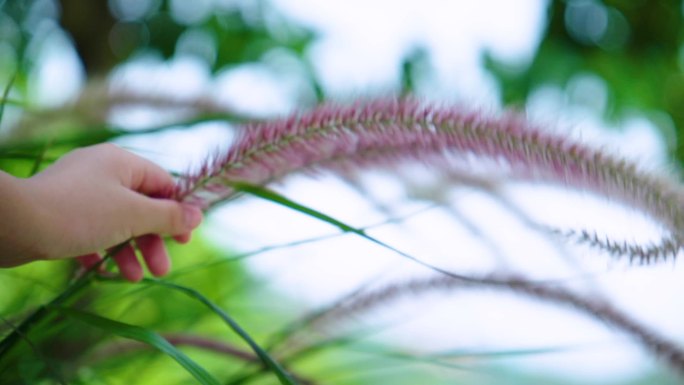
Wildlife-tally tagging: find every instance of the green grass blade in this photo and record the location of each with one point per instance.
(244, 255)
(5, 95)
(274, 197)
(40, 158)
(266, 359)
(41, 312)
(439, 359)
(21, 156)
(311, 350)
(56, 375)
(511, 353)
(143, 335)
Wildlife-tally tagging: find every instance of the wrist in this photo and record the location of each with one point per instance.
(19, 243)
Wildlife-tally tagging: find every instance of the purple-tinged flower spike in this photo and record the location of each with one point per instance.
(387, 132)
(659, 346)
(665, 248)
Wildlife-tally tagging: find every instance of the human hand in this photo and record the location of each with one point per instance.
(93, 199)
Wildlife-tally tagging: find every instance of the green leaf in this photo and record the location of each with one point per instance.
(267, 360)
(143, 335)
(273, 196)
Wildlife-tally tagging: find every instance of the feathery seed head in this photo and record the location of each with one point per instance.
(388, 131)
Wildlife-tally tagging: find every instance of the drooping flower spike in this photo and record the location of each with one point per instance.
(384, 133)
(364, 301)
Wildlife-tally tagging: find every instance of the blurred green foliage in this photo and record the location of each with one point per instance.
(222, 37)
(634, 48)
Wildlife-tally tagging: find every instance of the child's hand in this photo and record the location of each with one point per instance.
(90, 200)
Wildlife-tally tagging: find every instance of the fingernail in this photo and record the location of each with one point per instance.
(192, 216)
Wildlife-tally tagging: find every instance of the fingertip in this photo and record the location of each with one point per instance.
(154, 253)
(162, 271)
(89, 261)
(129, 266)
(183, 238)
(192, 216)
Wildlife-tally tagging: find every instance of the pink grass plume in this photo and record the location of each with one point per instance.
(387, 132)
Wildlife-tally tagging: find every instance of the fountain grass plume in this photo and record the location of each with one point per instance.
(385, 133)
(663, 348)
(663, 249)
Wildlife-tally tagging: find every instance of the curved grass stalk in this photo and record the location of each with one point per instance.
(56, 375)
(248, 254)
(463, 220)
(97, 133)
(122, 96)
(659, 346)
(603, 311)
(181, 339)
(143, 335)
(387, 132)
(43, 311)
(175, 339)
(283, 376)
(493, 189)
(284, 201)
(5, 96)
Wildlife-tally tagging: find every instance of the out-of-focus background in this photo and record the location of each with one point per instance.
(172, 79)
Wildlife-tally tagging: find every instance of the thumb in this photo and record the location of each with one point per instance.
(165, 216)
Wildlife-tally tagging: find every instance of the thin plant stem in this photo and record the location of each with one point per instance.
(55, 373)
(5, 96)
(44, 310)
(651, 341)
(265, 249)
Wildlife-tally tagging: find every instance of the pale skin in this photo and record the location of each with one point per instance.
(90, 201)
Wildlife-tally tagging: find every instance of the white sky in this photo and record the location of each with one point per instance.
(362, 41)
